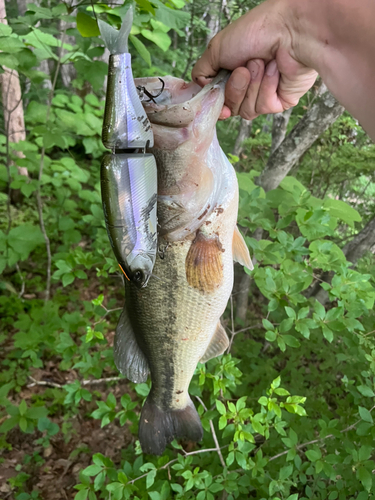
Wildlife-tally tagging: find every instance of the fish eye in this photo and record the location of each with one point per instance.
(138, 276)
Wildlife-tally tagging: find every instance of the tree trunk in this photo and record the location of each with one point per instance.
(279, 126)
(242, 301)
(243, 133)
(67, 71)
(14, 123)
(320, 116)
(361, 243)
(213, 20)
(22, 7)
(267, 124)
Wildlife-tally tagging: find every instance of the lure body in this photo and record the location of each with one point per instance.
(128, 175)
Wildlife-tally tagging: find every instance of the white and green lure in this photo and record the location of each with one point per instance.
(128, 174)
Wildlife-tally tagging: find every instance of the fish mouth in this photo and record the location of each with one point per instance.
(175, 101)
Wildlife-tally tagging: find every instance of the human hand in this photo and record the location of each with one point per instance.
(262, 48)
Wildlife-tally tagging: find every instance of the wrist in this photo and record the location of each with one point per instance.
(307, 25)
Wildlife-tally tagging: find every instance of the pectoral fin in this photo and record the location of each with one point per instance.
(240, 251)
(129, 358)
(203, 265)
(218, 344)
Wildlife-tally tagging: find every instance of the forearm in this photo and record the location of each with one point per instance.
(337, 39)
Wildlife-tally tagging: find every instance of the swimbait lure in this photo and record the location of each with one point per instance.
(128, 174)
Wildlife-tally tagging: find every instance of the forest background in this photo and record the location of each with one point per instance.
(288, 410)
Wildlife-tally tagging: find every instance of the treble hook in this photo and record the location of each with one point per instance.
(162, 249)
(151, 97)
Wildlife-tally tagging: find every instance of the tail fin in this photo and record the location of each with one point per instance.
(117, 41)
(158, 428)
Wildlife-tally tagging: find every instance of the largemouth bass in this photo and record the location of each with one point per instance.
(166, 328)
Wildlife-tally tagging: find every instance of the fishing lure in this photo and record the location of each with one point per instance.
(128, 174)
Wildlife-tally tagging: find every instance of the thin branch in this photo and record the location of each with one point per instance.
(232, 333)
(38, 191)
(197, 452)
(46, 383)
(218, 449)
(22, 281)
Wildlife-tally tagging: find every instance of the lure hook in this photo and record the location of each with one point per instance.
(151, 97)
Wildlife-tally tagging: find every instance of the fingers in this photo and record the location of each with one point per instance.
(236, 88)
(268, 100)
(248, 106)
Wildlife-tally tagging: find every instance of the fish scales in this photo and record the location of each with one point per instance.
(169, 326)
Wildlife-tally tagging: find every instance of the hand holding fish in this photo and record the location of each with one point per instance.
(277, 49)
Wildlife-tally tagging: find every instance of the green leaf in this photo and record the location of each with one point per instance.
(146, 5)
(291, 312)
(365, 477)
(8, 60)
(282, 392)
(9, 424)
(24, 239)
(313, 455)
(291, 341)
(286, 472)
(23, 424)
(22, 407)
(342, 210)
(82, 495)
(366, 391)
(158, 37)
(175, 19)
(5, 30)
(36, 412)
(92, 470)
(365, 414)
(267, 324)
(365, 453)
(141, 49)
(271, 336)
(281, 343)
(11, 44)
(142, 389)
(327, 333)
(87, 26)
(67, 279)
(220, 407)
(150, 478)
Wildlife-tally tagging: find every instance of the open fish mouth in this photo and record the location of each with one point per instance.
(169, 91)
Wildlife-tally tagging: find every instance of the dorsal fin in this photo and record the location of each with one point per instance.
(240, 251)
(218, 344)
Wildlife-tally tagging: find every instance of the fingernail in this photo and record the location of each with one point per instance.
(271, 68)
(254, 69)
(240, 82)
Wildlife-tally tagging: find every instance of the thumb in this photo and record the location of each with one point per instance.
(209, 64)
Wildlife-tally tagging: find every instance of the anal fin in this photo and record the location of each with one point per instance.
(240, 251)
(129, 358)
(218, 344)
